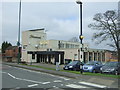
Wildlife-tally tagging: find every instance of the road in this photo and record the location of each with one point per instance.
(17, 78)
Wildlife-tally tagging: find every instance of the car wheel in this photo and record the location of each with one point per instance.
(116, 72)
(94, 71)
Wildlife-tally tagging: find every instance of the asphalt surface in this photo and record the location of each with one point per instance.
(18, 76)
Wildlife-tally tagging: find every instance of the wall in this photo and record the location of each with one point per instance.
(11, 52)
(30, 42)
(71, 54)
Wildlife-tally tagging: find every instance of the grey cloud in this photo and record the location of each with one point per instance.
(60, 19)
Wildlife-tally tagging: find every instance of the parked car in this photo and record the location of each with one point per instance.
(92, 66)
(67, 61)
(111, 67)
(74, 65)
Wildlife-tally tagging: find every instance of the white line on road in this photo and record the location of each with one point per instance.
(17, 88)
(44, 73)
(45, 82)
(11, 75)
(2, 72)
(92, 84)
(28, 80)
(57, 81)
(21, 78)
(63, 78)
(9, 66)
(75, 86)
(37, 72)
(32, 85)
(55, 86)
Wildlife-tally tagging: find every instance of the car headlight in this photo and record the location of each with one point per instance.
(90, 67)
(112, 69)
(70, 66)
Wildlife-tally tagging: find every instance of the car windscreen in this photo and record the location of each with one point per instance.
(73, 63)
(111, 64)
(90, 63)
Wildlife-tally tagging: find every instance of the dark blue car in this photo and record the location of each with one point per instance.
(92, 66)
(74, 65)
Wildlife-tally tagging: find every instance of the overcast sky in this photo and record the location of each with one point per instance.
(60, 19)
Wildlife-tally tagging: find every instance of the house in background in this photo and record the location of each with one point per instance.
(11, 53)
(111, 55)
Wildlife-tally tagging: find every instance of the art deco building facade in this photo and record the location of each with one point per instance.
(36, 48)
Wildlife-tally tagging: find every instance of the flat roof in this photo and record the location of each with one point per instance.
(36, 29)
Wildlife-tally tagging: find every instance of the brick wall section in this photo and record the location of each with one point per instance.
(11, 51)
(110, 56)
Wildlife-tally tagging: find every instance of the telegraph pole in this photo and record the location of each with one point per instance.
(18, 43)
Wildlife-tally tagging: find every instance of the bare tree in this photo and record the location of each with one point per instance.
(108, 28)
(74, 39)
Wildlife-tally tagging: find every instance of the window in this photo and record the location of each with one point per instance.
(50, 49)
(72, 46)
(67, 45)
(62, 45)
(24, 47)
(81, 56)
(76, 46)
(33, 56)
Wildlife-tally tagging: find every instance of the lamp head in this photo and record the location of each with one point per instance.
(81, 37)
(78, 2)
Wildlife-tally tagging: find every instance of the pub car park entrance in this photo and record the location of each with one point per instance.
(48, 56)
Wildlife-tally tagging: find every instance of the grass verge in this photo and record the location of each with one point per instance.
(77, 72)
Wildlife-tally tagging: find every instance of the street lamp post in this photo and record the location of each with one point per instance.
(18, 43)
(80, 3)
(81, 36)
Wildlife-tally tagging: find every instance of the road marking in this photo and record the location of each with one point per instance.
(11, 75)
(21, 78)
(63, 78)
(28, 80)
(17, 88)
(25, 79)
(45, 82)
(32, 85)
(55, 86)
(92, 84)
(2, 72)
(57, 81)
(9, 66)
(75, 86)
(43, 73)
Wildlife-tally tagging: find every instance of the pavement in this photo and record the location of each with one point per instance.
(108, 81)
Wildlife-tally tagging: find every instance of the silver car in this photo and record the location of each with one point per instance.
(92, 66)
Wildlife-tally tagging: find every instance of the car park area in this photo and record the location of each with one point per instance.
(108, 68)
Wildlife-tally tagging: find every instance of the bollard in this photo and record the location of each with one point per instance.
(57, 66)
